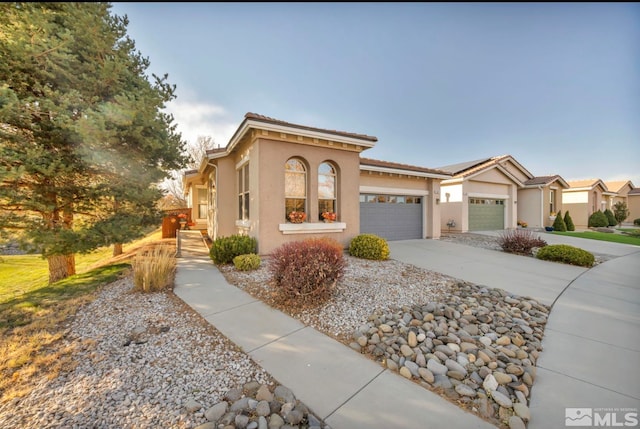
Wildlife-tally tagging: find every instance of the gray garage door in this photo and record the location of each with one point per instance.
(486, 214)
(392, 217)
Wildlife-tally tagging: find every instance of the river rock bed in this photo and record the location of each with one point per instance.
(478, 348)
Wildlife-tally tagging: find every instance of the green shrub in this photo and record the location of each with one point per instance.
(569, 222)
(621, 211)
(558, 224)
(306, 272)
(566, 254)
(224, 249)
(636, 222)
(520, 241)
(598, 220)
(247, 262)
(369, 246)
(610, 218)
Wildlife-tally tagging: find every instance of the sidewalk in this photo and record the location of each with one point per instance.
(342, 387)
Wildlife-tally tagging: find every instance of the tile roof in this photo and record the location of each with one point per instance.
(585, 183)
(468, 168)
(398, 166)
(262, 118)
(616, 186)
(634, 191)
(545, 180)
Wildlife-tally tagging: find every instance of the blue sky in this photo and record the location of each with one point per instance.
(556, 85)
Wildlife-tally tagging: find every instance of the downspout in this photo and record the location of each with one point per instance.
(213, 222)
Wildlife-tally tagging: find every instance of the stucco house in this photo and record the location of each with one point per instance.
(633, 204)
(618, 192)
(540, 199)
(583, 198)
(271, 168)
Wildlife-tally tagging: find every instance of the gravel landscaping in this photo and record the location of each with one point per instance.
(148, 360)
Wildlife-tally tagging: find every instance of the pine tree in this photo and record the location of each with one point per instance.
(558, 224)
(83, 135)
(569, 222)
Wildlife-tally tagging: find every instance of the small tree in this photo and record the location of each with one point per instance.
(569, 222)
(558, 224)
(620, 212)
(611, 219)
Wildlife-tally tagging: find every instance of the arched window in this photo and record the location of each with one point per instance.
(295, 187)
(327, 186)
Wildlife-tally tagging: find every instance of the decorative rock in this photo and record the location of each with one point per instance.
(283, 394)
(192, 406)
(455, 366)
(241, 421)
(465, 390)
(412, 366)
(233, 395)
(214, 413)
(502, 399)
(264, 394)
(421, 360)
(404, 371)
(412, 339)
(436, 368)
(426, 375)
(502, 378)
(263, 409)
(275, 421)
(362, 341)
(516, 422)
(262, 423)
(392, 365)
(385, 328)
(490, 384)
(503, 341)
(406, 350)
(522, 411)
(294, 417)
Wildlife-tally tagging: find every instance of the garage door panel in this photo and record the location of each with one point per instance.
(486, 216)
(391, 221)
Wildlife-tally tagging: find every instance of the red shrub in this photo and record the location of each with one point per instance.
(520, 241)
(306, 272)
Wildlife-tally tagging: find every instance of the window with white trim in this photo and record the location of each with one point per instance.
(327, 195)
(202, 203)
(295, 187)
(243, 192)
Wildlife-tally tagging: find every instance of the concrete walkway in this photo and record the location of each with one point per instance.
(591, 347)
(339, 385)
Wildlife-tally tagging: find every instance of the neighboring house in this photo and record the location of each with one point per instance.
(618, 192)
(482, 194)
(540, 199)
(583, 198)
(633, 203)
(270, 168)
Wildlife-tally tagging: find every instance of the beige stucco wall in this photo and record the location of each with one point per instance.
(581, 204)
(271, 205)
(533, 205)
(633, 204)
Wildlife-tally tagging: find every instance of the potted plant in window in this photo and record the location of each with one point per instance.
(297, 217)
(329, 216)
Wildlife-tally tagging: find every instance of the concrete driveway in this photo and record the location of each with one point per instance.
(588, 369)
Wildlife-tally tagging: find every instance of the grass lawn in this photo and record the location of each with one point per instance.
(603, 236)
(32, 311)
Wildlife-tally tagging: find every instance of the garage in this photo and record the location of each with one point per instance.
(486, 214)
(392, 217)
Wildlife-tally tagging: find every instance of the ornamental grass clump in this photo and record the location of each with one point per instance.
(154, 269)
(520, 241)
(369, 246)
(247, 262)
(567, 255)
(224, 249)
(306, 272)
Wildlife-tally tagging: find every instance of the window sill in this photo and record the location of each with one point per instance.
(311, 228)
(245, 224)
